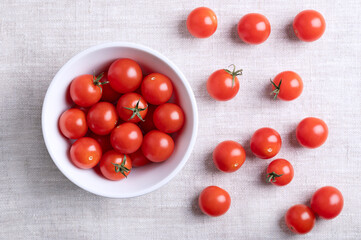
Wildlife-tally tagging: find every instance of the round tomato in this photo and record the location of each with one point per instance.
(312, 132)
(103, 140)
(72, 123)
(280, 172)
(86, 90)
(115, 166)
(253, 28)
(168, 118)
(132, 107)
(223, 84)
(157, 146)
(108, 94)
(85, 153)
(126, 138)
(309, 25)
(125, 75)
(287, 86)
(156, 88)
(214, 201)
(102, 118)
(266, 143)
(148, 124)
(327, 202)
(138, 159)
(202, 22)
(229, 156)
(300, 219)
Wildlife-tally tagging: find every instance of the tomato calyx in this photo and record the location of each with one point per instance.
(271, 177)
(121, 167)
(97, 82)
(136, 111)
(277, 88)
(234, 73)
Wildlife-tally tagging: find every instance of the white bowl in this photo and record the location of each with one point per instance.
(141, 180)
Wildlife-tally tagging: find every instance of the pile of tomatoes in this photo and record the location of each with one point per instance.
(121, 120)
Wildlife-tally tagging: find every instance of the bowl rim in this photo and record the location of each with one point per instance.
(188, 88)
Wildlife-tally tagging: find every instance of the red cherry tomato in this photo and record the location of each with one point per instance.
(115, 166)
(287, 86)
(223, 84)
(108, 93)
(229, 156)
(157, 146)
(254, 28)
(102, 118)
(300, 219)
(156, 88)
(85, 90)
(202, 22)
(214, 201)
(280, 172)
(103, 140)
(126, 138)
(138, 159)
(312, 132)
(148, 124)
(327, 202)
(168, 118)
(266, 143)
(309, 25)
(85, 153)
(132, 107)
(72, 123)
(125, 75)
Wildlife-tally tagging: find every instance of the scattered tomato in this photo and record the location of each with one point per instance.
(85, 153)
(157, 146)
(202, 22)
(138, 159)
(327, 202)
(280, 172)
(132, 107)
(229, 156)
(102, 118)
(168, 118)
(108, 94)
(287, 86)
(126, 138)
(266, 143)
(300, 219)
(115, 166)
(214, 201)
(253, 28)
(156, 88)
(309, 25)
(312, 132)
(86, 90)
(72, 123)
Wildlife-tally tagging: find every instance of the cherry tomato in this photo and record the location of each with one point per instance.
(280, 172)
(108, 94)
(125, 75)
(126, 138)
(132, 107)
(168, 118)
(300, 219)
(309, 25)
(253, 28)
(327, 202)
(312, 132)
(214, 201)
(115, 166)
(103, 140)
(266, 143)
(157, 146)
(148, 124)
(229, 156)
(72, 123)
(202, 22)
(102, 118)
(156, 88)
(223, 84)
(138, 159)
(287, 86)
(86, 90)
(85, 153)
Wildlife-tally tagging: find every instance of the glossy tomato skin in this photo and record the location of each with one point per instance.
(253, 28)
(168, 118)
(220, 85)
(84, 92)
(108, 93)
(130, 100)
(138, 159)
(111, 165)
(102, 118)
(85, 153)
(280, 172)
(126, 138)
(229, 156)
(291, 86)
(266, 143)
(300, 219)
(72, 123)
(103, 140)
(214, 201)
(148, 124)
(312, 132)
(202, 22)
(327, 202)
(156, 88)
(157, 146)
(125, 75)
(309, 25)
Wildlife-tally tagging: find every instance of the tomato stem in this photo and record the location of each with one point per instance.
(136, 111)
(96, 80)
(121, 167)
(277, 88)
(234, 73)
(271, 177)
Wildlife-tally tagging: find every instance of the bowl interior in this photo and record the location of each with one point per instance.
(141, 180)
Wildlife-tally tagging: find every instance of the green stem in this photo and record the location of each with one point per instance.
(121, 167)
(234, 73)
(136, 111)
(271, 177)
(277, 88)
